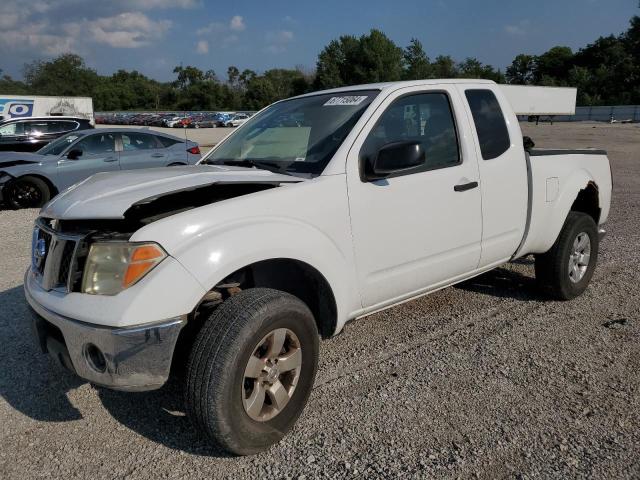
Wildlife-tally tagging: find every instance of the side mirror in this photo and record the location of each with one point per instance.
(528, 143)
(396, 157)
(74, 154)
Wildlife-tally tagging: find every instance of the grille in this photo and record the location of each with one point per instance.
(55, 257)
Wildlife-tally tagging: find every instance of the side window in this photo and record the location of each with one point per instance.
(490, 124)
(63, 126)
(99, 143)
(167, 142)
(12, 129)
(138, 141)
(426, 118)
(36, 128)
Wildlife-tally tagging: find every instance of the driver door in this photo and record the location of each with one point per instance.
(98, 154)
(417, 229)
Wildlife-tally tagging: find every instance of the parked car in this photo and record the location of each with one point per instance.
(368, 197)
(28, 134)
(237, 120)
(32, 179)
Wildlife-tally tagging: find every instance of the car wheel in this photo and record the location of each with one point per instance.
(564, 272)
(27, 192)
(251, 370)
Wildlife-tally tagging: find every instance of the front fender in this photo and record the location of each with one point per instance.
(227, 248)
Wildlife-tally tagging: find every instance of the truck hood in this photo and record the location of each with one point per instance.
(111, 195)
(11, 159)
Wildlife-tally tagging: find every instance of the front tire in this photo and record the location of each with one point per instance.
(564, 272)
(28, 192)
(251, 370)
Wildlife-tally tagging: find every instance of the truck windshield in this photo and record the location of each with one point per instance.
(58, 146)
(297, 136)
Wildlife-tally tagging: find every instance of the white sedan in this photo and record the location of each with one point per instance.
(237, 120)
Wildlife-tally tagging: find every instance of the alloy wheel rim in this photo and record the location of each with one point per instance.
(271, 374)
(26, 195)
(579, 257)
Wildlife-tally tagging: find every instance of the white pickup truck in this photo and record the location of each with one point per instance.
(320, 209)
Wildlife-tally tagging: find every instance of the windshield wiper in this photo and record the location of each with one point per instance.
(262, 165)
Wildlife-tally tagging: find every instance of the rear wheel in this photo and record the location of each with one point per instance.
(251, 370)
(27, 192)
(564, 272)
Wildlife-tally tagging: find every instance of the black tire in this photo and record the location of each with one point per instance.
(215, 380)
(552, 267)
(27, 192)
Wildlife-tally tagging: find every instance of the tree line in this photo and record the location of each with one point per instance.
(606, 72)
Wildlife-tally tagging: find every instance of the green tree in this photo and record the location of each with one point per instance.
(64, 75)
(522, 70)
(554, 64)
(444, 67)
(473, 68)
(350, 60)
(417, 64)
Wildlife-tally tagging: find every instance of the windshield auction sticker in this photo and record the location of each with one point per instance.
(345, 100)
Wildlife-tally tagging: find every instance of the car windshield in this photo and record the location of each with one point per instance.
(298, 136)
(58, 146)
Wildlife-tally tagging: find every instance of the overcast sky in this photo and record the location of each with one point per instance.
(153, 36)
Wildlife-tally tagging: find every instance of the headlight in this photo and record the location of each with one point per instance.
(113, 266)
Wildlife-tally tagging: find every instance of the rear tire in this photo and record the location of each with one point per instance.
(229, 366)
(564, 272)
(28, 192)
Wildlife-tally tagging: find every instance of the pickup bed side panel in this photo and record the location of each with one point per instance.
(556, 181)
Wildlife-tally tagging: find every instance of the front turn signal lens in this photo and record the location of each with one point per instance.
(143, 259)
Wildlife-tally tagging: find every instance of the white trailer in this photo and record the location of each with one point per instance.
(538, 101)
(12, 106)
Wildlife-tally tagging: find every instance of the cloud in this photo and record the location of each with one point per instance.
(519, 29)
(202, 47)
(127, 30)
(237, 24)
(47, 28)
(224, 34)
(277, 41)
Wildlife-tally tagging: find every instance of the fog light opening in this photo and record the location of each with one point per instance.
(95, 358)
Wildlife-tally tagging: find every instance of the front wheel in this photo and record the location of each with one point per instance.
(564, 272)
(27, 192)
(251, 370)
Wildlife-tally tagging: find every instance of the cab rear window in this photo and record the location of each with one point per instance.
(493, 134)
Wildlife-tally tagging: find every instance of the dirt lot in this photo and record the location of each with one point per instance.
(487, 379)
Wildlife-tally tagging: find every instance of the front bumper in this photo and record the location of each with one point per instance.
(133, 359)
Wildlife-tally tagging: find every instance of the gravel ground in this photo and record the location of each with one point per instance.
(486, 379)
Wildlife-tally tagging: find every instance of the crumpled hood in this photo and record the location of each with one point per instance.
(110, 195)
(10, 159)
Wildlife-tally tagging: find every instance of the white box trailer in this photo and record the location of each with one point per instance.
(12, 106)
(538, 101)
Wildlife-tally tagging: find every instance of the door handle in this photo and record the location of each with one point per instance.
(463, 187)
(157, 155)
(110, 159)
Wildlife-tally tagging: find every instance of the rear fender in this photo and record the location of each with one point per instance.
(550, 210)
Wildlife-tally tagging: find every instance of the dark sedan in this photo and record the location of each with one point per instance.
(28, 134)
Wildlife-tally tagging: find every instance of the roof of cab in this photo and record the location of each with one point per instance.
(402, 84)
